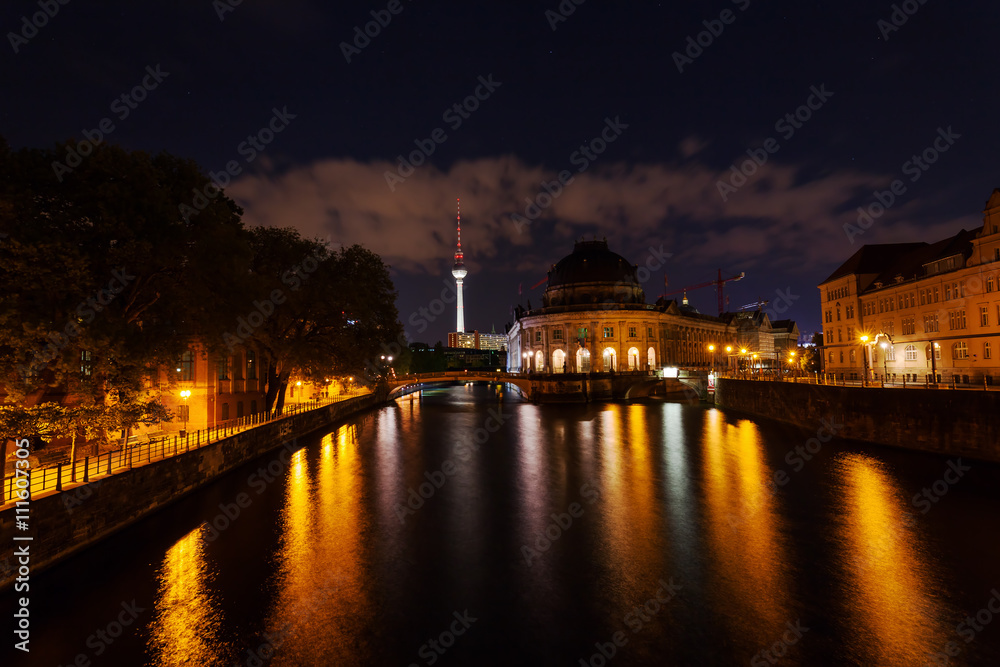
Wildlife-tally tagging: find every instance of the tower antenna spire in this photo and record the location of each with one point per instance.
(459, 272)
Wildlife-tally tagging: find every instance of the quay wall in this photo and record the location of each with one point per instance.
(62, 524)
(951, 422)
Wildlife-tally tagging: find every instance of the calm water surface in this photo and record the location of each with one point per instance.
(549, 534)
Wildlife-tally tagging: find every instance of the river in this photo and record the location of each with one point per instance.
(464, 526)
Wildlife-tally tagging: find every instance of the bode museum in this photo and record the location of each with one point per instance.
(594, 318)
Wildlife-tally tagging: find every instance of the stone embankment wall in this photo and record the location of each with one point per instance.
(64, 523)
(952, 422)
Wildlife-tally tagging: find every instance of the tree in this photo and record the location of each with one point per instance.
(328, 310)
(105, 281)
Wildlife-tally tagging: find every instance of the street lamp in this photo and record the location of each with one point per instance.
(729, 359)
(525, 366)
(864, 354)
(185, 393)
(711, 348)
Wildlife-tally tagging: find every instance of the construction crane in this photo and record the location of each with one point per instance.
(718, 282)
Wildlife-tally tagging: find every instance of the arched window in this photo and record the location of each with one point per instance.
(539, 361)
(558, 361)
(582, 361)
(651, 357)
(911, 352)
(987, 351)
(633, 358)
(960, 350)
(610, 359)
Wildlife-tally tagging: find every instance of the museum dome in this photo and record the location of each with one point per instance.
(593, 274)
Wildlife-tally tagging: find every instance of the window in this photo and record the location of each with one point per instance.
(850, 333)
(609, 332)
(649, 334)
(987, 351)
(840, 335)
(923, 297)
(223, 366)
(239, 409)
(931, 323)
(841, 356)
(989, 284)
(538, 336)
(838, 312)
(186, 368)
(909, 326)
(956, 319)
(183, 413)
(581, 332)
(890, 353)
(854, 357)
(632, 332)
(910, 352)
(947, 292)
(984, 316)
(251, 365)
(937, 351)
(936, 294)
(225, 411)
(831, 357)
(960, 350)
(557, 334)
(86, 363)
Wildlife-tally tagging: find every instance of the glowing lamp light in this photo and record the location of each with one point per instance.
(743, 351)
(299, 383)
(185, 393)
(729, 348)
(864, 339)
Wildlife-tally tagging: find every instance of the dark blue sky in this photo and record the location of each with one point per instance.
(655, 185)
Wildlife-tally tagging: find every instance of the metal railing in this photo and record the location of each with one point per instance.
(834, 381)
(126, 457)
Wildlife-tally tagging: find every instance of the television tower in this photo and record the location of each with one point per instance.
(459, 272)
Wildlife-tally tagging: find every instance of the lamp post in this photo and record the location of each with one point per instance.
(527, 364)
(185, 393)
(934, 349)
(729, 359)
(742, 361)
(864, 354)
(711, 348)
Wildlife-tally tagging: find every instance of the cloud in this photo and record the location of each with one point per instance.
(777, 219)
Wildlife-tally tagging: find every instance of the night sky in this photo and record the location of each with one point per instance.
(886, 94)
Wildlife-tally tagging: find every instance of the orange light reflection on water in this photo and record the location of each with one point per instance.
(893, 613)
(187, 621)
(748, 558)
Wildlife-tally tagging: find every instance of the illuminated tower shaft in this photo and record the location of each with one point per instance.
(458, 270)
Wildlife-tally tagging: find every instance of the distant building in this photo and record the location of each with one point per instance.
(918, 311)
(594, 318)
(476, 341)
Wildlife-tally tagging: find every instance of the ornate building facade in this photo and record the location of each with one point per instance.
(918, 311)
(594, 318)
